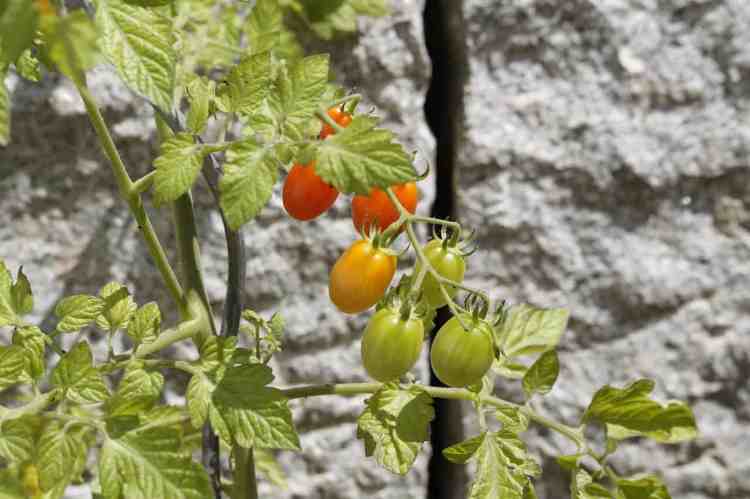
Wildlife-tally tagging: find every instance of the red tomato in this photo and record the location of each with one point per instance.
(377, 208)
(340, 117)
(305, 194)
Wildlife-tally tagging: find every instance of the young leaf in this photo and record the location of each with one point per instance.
(12, 364)
(119, 307)
(512, 419)
(394, 425)
(70, 43)
(361, 157)
(528, 330)
(462, 452)
(28, 66)
(78, 311)
(177, 167)
(16, 298)
(17, 440)
(18, 22)
(4, 120)
(138, 391)
(61, 454)
(198, 397)
(633, 410)
(149, 462)
(146, 322)
(647, 487)
(21, 295)
(265, 31)
(33, 342)
(248, 83)
(541, 376)
(139, 42)
(250, 172)
(82, 382)
(200, 92)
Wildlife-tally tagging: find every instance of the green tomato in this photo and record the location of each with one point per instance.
(460, 357)
(449, 263)
(391, 345)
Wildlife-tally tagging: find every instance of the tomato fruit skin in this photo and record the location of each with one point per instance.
(378, 208)
(337, 115)
(306, 195)
(449, 263)
(391, 345)
(459, 357)
(360, 277)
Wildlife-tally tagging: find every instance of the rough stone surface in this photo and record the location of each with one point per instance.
(604, 162)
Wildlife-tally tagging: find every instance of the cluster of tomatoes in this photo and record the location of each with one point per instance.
(462, 350)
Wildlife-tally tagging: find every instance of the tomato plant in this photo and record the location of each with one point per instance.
(305, 195)
(360, 276)
(391, 344)
(264, 100)
(459, 356)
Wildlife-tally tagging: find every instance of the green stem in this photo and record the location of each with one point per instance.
(132, 196)
(323, 115)
(183, 331)
(245, 484)
(144, 183)
(37, 405)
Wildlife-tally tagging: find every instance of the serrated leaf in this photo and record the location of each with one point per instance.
(17, 440)
(61, 454)
(19, 18)
(327, 19)
(75, 373)
(512, 419)
(4, 117)
(265, 31)
(150, 463)
(394, 424)
(137, 392)
(250, 172)
(528, 330)
(78, 311)
(33, 342)
(647, 487)
(632, 409)
(217, 352)
(257, 415)
(462, 452)
(198, 397)
(139, 42)
(248, 83)
(16, 298)
(21, 295)
(503, 467)
(28, 66)
(119, 307)
(70, 43)
(12, 363)
(145, 324)
(541, 376)
(362, 157)
(177, 167)
(200, 93)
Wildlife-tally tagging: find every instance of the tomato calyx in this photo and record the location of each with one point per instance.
(402, 297)
(456, 241)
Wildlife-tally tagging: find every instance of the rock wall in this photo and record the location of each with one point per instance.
(602, 158)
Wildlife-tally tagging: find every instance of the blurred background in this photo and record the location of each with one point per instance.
(599, 147)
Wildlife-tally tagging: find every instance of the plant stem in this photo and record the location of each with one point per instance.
(131, 195)
(323, 115)
(183, 331)
(245, 484)
(351, 389)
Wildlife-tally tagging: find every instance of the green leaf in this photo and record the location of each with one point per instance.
(145, 324)
(462, 452)
(250, 172)
(12, 364)
(4, 118)
(200, 92)
(28, 66)
(199, 399)
(177, 167)
(248, 83)
(362, 156)
(511, 370)
(541, 376)
(21, 295)
(257, 415)
(512, 419)
(78, 311)
(595, 491)
(19, 19)
(70, 43)
(82, 382)
(216, 353)
(394, 424)
(150, 462)
(569, 462)
(327, 19)
(138, 391)
(61, 454)
(139, 42)
(10, 485)
(647, 487)
(633, 410)
(265, 31)
(528, 330)
(16, 299)
(33, 342)
(267, 465)
(119, 307)
(17, 440)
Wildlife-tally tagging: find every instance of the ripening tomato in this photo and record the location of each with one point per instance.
(339, 116)
(377, 208)
(460, 357)
(305, 194)
(391, 345)
(360, 277)
(449, 262)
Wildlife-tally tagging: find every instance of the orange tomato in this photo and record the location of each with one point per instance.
(340, 117)
(377, 208)
(360, 277)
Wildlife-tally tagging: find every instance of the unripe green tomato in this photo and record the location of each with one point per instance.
(391, 345)
(449, 263)
(459, 357)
